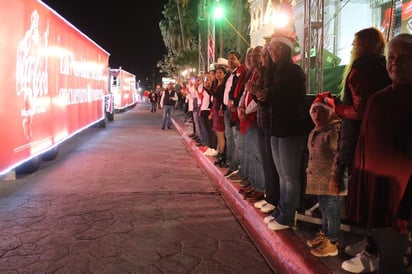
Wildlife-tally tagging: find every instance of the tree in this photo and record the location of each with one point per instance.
(236, 22)
(179, 30)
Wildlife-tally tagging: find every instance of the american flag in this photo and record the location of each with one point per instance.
(210, 48)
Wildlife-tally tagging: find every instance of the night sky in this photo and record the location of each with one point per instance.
(127, 29)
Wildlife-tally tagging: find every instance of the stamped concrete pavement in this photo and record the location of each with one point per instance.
(128, 198)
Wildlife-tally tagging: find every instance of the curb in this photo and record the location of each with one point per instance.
(283, 250)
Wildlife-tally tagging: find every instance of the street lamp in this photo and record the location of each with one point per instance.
(280, 19)
(216, 12)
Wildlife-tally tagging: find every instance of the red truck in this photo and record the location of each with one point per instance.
(54, 84)
(123, 87)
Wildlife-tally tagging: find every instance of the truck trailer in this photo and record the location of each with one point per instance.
(122, 84)
(53, 80)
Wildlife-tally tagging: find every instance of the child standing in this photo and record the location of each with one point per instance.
(323, 146)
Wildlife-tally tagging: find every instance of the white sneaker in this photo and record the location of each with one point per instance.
(353, 250)
(260, 204)
(267, 208)
(274, 225)
(268, 219)
(363, 262)
(210, 152)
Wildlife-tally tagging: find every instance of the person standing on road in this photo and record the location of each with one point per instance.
(323, 151)
(153, 101)
(247, 113)
(167, 102)
(364, 75)
(218, 120)
(266, 205)
(382, 170)
(230, 111)
(287, 96)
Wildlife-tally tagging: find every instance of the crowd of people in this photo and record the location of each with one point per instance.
(253, 116)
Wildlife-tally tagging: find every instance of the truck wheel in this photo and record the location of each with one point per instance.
(110, 116)
(51, 154)
(29, 166)
(101, 123)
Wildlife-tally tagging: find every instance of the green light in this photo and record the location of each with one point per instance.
(218, 12)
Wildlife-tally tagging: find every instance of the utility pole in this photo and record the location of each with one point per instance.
(313, 36)
(211, 28)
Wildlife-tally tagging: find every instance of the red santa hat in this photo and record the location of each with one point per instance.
(288, 39)
(324, 99)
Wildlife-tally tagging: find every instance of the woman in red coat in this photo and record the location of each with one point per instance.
(383, 161)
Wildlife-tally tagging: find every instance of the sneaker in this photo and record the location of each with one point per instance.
(326, 248)
(260, 204)
(203, 149)
(356, 248)
(274, 225)
(363, 262)
(230, 172)
(267, 208)
(213, 153)
(268, 219)
(210, 152)
(235, 178)
(320, 238)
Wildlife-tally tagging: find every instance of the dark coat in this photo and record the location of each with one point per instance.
(368, 75)
(383, 161)
(287, 101)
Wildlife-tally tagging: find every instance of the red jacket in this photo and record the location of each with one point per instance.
(383, 161)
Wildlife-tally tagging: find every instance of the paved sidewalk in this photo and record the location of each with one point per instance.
(284, 250)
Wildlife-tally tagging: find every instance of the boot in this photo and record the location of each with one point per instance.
(222, 162)
(219, 159)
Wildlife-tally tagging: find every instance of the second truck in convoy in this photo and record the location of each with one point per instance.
(122, 85)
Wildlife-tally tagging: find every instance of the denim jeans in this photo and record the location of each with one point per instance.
(269, 169)
(253, 157)
(206, 126)
(239, 160)
(153, 108)
(196, 123)
(288, 156)
(167, 116)
(230, 138)
(330, 207)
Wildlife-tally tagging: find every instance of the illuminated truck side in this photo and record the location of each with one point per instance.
(53, 83)
(122, 85)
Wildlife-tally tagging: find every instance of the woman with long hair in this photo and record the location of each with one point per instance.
(263, 122)
(218, 114)
(364, 75)
(286, 95)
